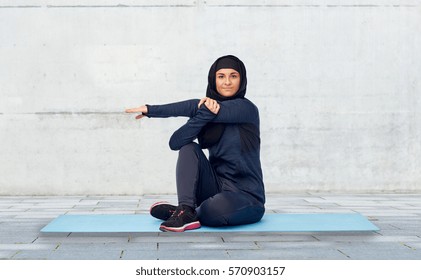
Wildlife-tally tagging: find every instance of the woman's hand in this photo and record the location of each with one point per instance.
(211, 104)
(142, 109)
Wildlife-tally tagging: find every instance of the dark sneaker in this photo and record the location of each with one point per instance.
(184, 218)
(162, 210)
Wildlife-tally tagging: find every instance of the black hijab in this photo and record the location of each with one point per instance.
(212, 132)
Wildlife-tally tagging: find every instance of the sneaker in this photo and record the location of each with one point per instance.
(162, 210)
(184, 218)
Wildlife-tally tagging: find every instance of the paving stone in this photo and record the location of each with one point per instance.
(169, 246)
(32, 255)
(407, 219)
(30, 246)
(107, 211)
(291, 245)
(22, 206)
(85, 255)
(414, 245)
(17, 237)
(130, 254)
(87, 202)
(372, 239)
(350, 203)
(43, 206)
(24, 220)
(314, 253)
(382, 225)
(317, 200)
(12, 197)
(313, 211)
(81, 239)
(7, 254)
(9, 214)
(379, 251)
(346, 236)
(117, 206)
(7, 202)
(409, 208)
(399, 232)
(292, 237)
(144, 246)
(7, 206)
(379, 213)
(52, 199)
(371, 208)
(354, 197)
(40, 215)
(80, 212)
(117, 203)
(122, 235)
(193, 255)
(177, 237)
(119, 200)
(17, 225)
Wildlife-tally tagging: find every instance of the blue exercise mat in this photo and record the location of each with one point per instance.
(269, 223)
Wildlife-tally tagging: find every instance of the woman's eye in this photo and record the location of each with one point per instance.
(220, 77)
(234, 76)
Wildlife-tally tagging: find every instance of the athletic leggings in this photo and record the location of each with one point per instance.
(199, 186)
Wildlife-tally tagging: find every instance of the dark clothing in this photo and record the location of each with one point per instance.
(218, 204)
(228, 188)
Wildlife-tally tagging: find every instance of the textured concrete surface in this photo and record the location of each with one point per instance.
(397, 215)
(336, 82)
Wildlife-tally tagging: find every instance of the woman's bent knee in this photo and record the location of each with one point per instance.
(191, 147)
(225, 209)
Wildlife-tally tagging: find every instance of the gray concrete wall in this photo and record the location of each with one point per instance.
(337, 84)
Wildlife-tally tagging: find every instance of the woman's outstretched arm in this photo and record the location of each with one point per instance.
(200, 112)
(187, 108)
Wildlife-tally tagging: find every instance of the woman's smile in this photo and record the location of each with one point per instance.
(227, 82)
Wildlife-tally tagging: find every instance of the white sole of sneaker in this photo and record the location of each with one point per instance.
(189, 226)
(158, 203)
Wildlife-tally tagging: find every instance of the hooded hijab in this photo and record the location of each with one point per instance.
(212, 132)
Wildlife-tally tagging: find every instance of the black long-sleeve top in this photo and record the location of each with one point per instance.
(236, 157)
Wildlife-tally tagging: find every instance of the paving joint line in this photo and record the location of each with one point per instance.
(343, 254)
(228, 253)
(317, 239)
(406, 245)
(15, 254)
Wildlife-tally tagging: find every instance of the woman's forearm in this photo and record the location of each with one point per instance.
(187, 108)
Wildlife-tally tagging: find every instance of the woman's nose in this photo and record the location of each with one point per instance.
(227, 81)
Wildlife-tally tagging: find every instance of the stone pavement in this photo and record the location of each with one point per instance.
(397, 215)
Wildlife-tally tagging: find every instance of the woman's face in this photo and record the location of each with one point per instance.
(227, 82)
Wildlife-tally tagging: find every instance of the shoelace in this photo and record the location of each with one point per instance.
(177, 213)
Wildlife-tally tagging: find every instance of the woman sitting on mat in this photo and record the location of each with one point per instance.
(226, 189)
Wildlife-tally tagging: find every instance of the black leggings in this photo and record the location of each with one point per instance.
(199, 186)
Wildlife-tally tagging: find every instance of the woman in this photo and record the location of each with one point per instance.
(227, 188)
